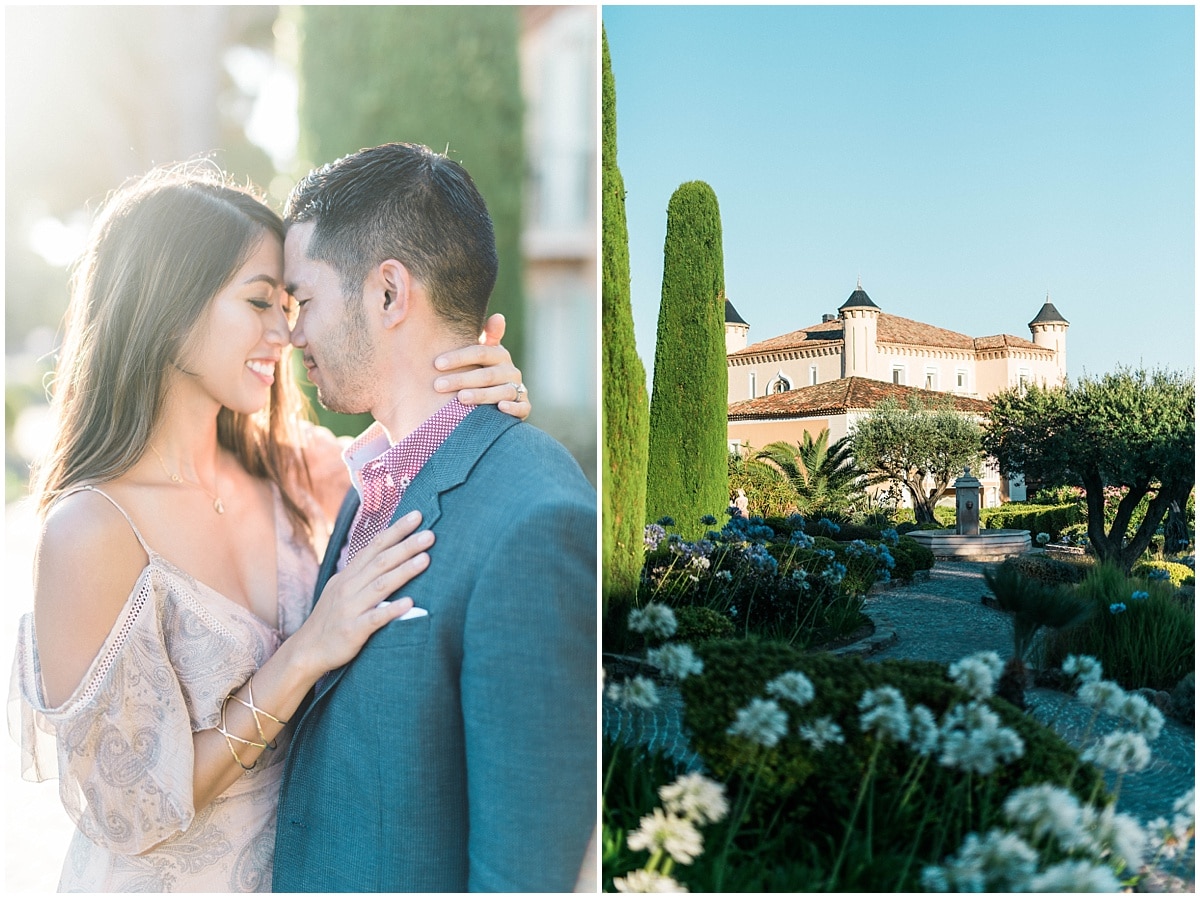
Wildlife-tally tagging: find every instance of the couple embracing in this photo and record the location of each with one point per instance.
(417, 711)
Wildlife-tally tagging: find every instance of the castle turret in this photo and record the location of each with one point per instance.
(1049, 329)
(860, 324)
(736, 330)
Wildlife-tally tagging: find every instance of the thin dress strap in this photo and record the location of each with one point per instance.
(117, 506)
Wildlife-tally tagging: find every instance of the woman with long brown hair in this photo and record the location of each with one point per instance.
(183, 502)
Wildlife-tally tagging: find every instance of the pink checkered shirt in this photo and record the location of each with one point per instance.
(382, 471)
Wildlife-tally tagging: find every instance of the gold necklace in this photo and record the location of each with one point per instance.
(218, 505)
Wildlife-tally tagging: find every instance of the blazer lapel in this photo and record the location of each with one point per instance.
(337, 539)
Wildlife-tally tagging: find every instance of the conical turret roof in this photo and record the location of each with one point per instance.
(858, 299)
(1048, 315)
(732, 316)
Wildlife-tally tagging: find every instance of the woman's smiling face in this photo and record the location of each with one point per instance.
(235, 349)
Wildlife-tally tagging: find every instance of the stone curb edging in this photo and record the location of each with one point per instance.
(885, 636)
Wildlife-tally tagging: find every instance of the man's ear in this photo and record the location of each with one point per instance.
(392, 294)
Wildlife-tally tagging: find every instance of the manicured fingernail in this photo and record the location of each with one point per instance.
(440, 362)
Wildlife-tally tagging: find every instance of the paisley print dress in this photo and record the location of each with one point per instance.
(121, 745)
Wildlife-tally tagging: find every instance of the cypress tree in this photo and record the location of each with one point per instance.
(445, 77)
(686, 475)
(625, 413)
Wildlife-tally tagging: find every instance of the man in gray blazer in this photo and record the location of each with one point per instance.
(458, 750)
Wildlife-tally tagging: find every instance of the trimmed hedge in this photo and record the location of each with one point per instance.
(1051, 519)
(1045, 569)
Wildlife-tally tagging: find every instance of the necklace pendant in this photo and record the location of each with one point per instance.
(218, 506)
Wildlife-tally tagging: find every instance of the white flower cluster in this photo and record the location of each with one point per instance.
(794, 686)
(695, 797)
(1109, 697)
(762, 722)
(974, 740)
(1171, 839)
(1095, 843)
(676, 660)
(977, 673)
(691, 800)
(636, 692)
(923, 732)
(1051, 814)
(655, 621)
(663, 831)
(821, 732)
(883, 711)
(646, 881)
(1120, 751)
(1084, 667)
(998, 862)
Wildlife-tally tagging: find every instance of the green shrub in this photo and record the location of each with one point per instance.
(769, 493)
(1034, 518)
(905, 569)
(1059, 495)
(802, 799)
(1143, 642)
(858, 531)
(920, 556)
(697, 624)
(1051, 571)
(1180, 574)
(944, 516)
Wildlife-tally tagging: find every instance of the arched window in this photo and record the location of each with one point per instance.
(780, 384)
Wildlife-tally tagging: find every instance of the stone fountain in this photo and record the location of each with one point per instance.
(966, 542)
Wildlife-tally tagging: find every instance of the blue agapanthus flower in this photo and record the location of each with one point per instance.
(708, 520)
(654, 534)
(802, 540)
(666, 521)
(890, 536)
(1139, 595)
(1158, 574)
(828, 526)
(760, 559)
(1116, 608)
(835, 573)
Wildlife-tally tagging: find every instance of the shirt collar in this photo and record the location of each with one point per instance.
(411, 452)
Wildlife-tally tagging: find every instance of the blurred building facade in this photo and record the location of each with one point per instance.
(559, 65)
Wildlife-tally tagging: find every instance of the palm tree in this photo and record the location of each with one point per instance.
(1031, 605)
(824, 476)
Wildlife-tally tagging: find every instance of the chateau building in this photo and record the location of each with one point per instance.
(829, 375)
(862, 340)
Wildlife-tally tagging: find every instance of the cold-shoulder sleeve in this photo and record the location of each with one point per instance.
(121, 745)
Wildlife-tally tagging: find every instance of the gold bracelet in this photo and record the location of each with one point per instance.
(230, 738)
(268, 744)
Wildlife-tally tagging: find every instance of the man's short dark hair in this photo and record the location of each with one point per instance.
(405, 202)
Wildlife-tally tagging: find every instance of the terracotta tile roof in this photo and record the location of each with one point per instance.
(999, 341)
(824, 334)
(837, 397)
(894, 329)
(891, 329)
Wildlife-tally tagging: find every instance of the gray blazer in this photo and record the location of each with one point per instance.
(458, 750)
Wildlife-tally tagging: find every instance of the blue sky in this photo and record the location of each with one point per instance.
(963, 161)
